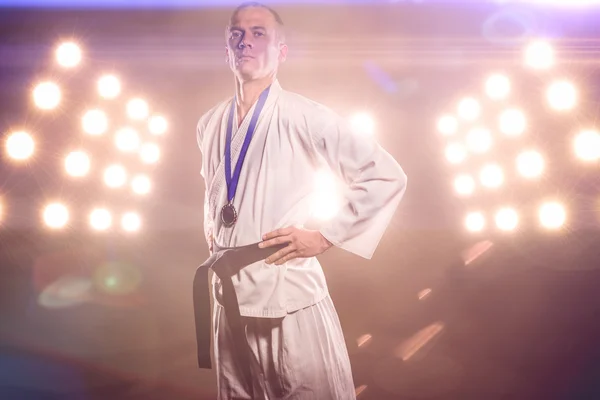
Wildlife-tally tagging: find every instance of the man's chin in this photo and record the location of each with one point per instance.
(246, 72)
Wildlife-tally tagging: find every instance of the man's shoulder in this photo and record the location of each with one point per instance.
(308, 107)
(217, 109)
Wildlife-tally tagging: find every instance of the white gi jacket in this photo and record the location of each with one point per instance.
(294, 137)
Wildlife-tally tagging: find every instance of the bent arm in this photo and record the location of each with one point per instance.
(375, 186)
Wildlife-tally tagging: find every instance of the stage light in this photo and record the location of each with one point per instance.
(363, 124)
(539, 55)
(115, 176)
(552, 215)
(100, 219)
(469, 109)
(77, 164)
(587, 145)
(464, 185)
(157, 125)
(140, 184)
(507, 219)
(46, 95)
(562, 95)
(475, 222)
(447, 125)
(131, 222)
(19, 145)
(507, 129)
(497, 87)
(530, 164)
(109, 86)
(55, 215)
(479, 140)
(127, 140)
(68, 55)
(137, 109)
(94, 122)
(149, 153)
(512, 122)
(491, 176)
(456, 153)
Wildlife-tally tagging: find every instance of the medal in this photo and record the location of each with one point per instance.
(229, 215)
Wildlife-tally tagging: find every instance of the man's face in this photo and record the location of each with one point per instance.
(254, 49)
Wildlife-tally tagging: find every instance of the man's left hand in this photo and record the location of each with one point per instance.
(301, 243)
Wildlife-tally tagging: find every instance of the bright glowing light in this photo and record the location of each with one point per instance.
(475, 222)
(491, 176)
(507, 219)
(55, 215)
(539, 55)
(19, 145)
(77, 164)
(513, 122)
(587, 145)
(149, 153)
(140, 184)
(100, 219)
(456, 153)
(94, 122)
(469, 109)
(479, 140)
(464, 185)
(497, 87)
(115, 176)
(131, 222)
(68, 55)
(127, 140)
(530, 164)
(46, 95)
(562, 96)
(363, 124)
(109, 86)
(157, 125)
(552, 215)
(325, 201)
(447, 125)
(137, 109)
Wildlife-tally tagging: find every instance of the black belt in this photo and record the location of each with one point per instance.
(225, 263)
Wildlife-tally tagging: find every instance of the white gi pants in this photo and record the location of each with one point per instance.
(302, 356)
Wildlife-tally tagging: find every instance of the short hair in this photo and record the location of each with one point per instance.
(274, 13)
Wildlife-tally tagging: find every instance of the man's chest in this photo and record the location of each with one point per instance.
(279, 154)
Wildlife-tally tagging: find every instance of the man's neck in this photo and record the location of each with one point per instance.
(248, 92)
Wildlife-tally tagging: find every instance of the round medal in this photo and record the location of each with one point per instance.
(228, 215)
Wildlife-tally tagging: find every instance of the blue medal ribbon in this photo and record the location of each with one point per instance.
(232, 181)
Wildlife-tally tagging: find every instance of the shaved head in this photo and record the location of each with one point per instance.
(250, 4)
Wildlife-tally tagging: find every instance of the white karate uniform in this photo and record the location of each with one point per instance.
(294, 138)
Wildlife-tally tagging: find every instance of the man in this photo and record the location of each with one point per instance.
(260, 150)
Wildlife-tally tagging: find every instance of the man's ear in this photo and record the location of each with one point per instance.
(283, 50)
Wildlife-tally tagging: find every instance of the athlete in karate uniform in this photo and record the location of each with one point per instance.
(261, 149)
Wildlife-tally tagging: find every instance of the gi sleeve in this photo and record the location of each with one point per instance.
(375, 184)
